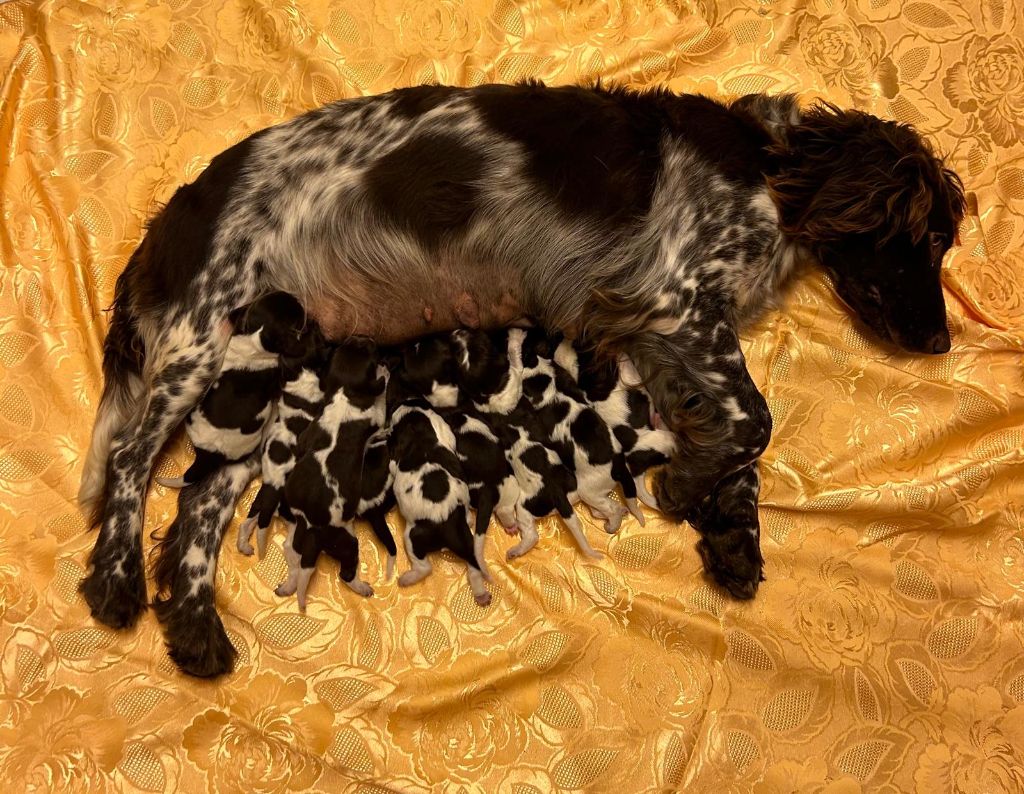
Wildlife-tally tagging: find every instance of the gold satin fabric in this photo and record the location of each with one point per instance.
(882, 654)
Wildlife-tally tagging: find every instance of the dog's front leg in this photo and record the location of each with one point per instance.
(730, 544)
(700, 386)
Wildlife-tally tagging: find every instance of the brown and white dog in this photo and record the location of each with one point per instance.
(650, 223)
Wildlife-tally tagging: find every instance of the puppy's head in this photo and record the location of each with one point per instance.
(879, 210)
(312, 352)
(483, 365)
(537, 345)
(279, 318)
(355, 366)
(429, 370)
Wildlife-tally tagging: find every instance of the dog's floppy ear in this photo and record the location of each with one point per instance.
(844, 172)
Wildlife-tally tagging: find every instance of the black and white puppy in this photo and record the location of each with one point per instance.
(546, 484)
(493, 488)
(614, 389)
(431, 491)
(324, 489)
(228, 423)
(429, 477)
(576, 431)
(491, 376)
(300, 403)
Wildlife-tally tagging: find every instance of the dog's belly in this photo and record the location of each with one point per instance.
(393, 314)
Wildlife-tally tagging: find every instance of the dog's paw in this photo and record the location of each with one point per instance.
(115, 601)
(482, 599)
(359, 587)
(732, 557)
(286, 588)
(197, 642)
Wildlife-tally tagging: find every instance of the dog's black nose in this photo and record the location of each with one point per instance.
(939, 343)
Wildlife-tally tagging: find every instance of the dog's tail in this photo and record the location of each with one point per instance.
(123, 355)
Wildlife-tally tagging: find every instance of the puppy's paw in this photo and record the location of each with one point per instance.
(115, 600)
(286, 588)
(244, 543)
(732, 557)
(409, 578)
(482, 599)
(359, 587)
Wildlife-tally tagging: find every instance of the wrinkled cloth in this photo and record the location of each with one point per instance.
(883, 652)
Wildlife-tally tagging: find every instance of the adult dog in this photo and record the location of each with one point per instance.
(649, 223)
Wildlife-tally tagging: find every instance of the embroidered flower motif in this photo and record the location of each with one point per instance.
(989, 80)
(267, 738)
(982, 746)
(455, 727)
(843, 53)
(64, 743)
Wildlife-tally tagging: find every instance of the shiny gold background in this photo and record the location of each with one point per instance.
(884, 651)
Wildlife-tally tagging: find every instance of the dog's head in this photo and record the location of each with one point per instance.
(356, 367)
(429, 370)
(878, 209)
(279, 318)
(483, 363)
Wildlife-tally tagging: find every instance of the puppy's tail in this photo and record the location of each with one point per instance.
(123, 391)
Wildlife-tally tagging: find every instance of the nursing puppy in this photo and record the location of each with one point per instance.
(324, 489)
(430, 484)
(228, 424)
(546, 485)
(491, 377)
(432, 495)
(577, 432)
(613, 388)
(300, 403)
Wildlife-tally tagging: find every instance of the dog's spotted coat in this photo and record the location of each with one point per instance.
(651, 223)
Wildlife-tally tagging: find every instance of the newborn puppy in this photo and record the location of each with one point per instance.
(490, 368)
(614, 388)
(324, 489)
(300, 403)
(376, 496)
(491, 376)
(577, 432)
(228, 423)
(493, 488)
(431, 491)
(430, 482)
(546, 485)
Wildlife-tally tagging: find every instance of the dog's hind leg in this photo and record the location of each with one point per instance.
(186, 361)
(417, 546)
(378, 521)
(185, 570)
(292, 558)
(346, 549)
(528, 536)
